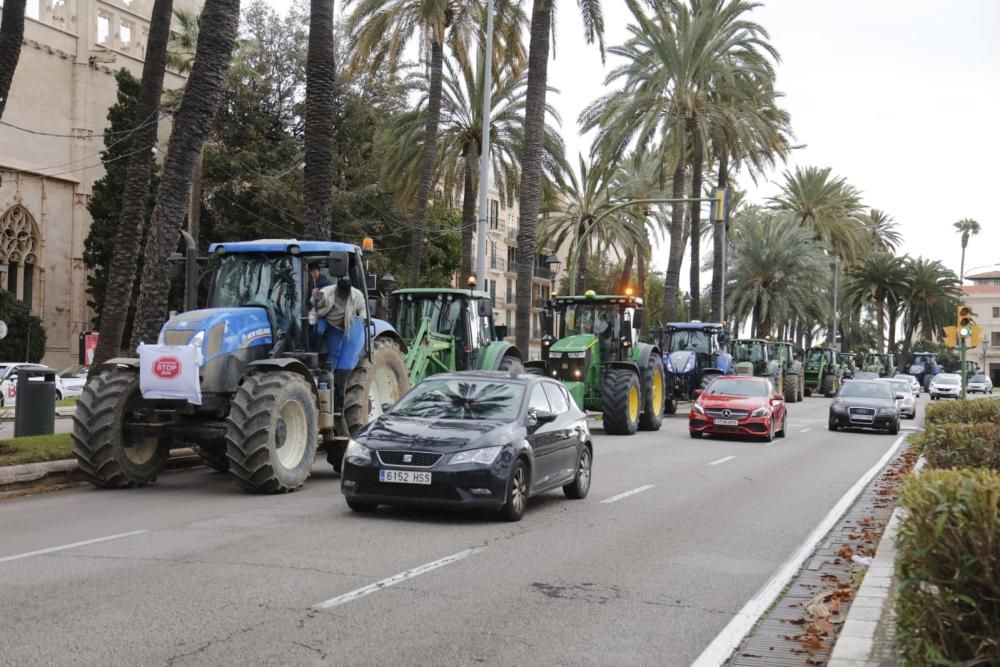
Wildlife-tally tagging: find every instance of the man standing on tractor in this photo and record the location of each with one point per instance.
(317, 281)
(339, 307)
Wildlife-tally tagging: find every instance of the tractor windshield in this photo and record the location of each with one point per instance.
(690, 339)
(746, 350)
(596, 318)
(265, 281)
(445, 314)
(818, 356)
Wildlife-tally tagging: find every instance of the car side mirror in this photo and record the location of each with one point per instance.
(697, 392)
(899, 397)
(386, 407)
(544, 416)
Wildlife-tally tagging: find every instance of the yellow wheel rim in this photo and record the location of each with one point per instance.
(657, 393)
(633, 403)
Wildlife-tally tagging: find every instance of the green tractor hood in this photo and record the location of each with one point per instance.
(577, 343)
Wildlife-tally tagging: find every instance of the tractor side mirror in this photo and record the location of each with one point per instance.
(371, 282)
(637, 320)
(485, 307)
(339, 263)
(500, 331)
(386, 407)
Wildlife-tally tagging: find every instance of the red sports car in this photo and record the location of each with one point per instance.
(739, 405)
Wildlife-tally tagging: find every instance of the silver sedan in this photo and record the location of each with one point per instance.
(908, 403)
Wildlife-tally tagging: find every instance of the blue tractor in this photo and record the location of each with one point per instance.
(268, 401)
(694, 354)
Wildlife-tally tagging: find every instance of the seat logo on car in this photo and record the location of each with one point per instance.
(167, 368)
(727, 412)
(407, 458)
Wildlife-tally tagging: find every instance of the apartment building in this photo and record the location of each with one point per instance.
(984, 297)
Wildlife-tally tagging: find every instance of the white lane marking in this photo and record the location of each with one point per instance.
(64, 547)
(746, 618)
(394, 579)
(645, 487)
(805, 430)
(722, 460)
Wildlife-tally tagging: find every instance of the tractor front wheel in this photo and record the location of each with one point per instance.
(372, 383)
(791, 388)
(271, 432)
(652, 394)
(827, 387)
(107, 455)
(621, 401)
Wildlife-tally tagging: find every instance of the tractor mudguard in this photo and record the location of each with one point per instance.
(282, 364)
(641, 353)
(491, 356)
(381, 329)
(119, 361)
(629, 365)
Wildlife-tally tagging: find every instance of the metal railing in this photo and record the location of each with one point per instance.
(497, 263)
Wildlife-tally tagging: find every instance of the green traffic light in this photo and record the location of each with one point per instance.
(965, 331)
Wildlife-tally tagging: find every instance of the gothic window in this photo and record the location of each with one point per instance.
(19, 245)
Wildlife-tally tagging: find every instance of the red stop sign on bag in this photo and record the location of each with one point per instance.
(167, 368)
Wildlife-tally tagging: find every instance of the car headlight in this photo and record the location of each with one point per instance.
(357, 453)
(761, 412)
(197, 339)
(697, 408)
(887, 411)
(838, 407)
(485, 455)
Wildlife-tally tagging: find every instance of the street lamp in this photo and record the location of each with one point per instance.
(553, 262)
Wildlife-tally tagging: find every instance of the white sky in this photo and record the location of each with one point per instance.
(898, 96)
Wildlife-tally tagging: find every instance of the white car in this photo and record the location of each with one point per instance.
(908, 404)
(73, 379)
(8, 382)
(914, 385)
(979, 384)
(946, 385)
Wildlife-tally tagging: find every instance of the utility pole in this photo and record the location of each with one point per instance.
(484, 160)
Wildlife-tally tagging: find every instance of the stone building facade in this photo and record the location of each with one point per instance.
(51, 137)
(984, 297)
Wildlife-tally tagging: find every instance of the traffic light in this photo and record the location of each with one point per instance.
(949, 337)
(976, 337)
(964, 321)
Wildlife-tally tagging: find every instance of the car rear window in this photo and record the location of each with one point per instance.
(462, 399)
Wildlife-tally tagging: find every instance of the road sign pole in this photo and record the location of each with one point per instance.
(965, 370)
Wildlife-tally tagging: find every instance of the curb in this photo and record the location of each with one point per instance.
(65, 471)
(7, 414)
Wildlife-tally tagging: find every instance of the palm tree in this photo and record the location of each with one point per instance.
(532, 153)
(681, 62)
(932, 294)
(183, 42)
(319, 139)
(872, 281)
(968, 227)
(775, 269)
(11, 37)
(192, 122)
(879, 231)
(132, 218)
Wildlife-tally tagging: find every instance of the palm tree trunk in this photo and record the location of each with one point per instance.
(641, 275)
(717, 248)
(321, 83)
(468, 217)
(626, 276)
(893, 321)
(219, 24)
(961, 268)
(11, 37)
(584, 265)
(427, 161)
(697, 157)
(880, 322)
(531, 165)
(135, 197)
(670, 283)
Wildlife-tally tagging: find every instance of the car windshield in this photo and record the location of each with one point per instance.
(596, 318)
(866, 390)
(977, 378)
(462, 399)
(946, 379)
(689, 339)
(737, 387)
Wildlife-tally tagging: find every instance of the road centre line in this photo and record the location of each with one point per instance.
(728, 640)
(722, 460)
(612, 499)
(74, 545)
(394, 579)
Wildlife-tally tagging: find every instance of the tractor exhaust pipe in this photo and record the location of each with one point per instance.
(190, 273)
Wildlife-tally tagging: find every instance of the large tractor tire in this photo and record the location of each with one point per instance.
(829, 385)
(621, 401)
(510, 362)
(272, 432)
(791, 388)
(107, 457)
(382, 380)
(653, 388)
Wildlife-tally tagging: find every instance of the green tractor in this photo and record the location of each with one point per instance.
(449, 329)
(754, 356)
(822, 373)
(793, 372)
(591, 344)
(847, 363)
(883, 364)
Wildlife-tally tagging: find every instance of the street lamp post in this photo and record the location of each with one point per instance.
(553, 262)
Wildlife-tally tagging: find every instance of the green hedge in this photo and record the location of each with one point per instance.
(952, 445)
(948, 607)
(963, 412)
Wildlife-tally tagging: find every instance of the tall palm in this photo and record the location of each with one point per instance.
(532, 154)
(639, 178)
(319, 139)
(680, 61)
(192, 122)
(183, 42)
(871, 282)
(879, 231)
(11, 38)
(967, 227)
(132, 218)
(932, 295)
(380, 30)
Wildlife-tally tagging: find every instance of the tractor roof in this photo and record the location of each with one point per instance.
(751, 340)
(282, 246)
(590, 297)
(434, 291)
(695, 326)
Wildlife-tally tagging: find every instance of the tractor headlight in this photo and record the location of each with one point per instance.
(357, 453)
(761, 412)
(197, 339)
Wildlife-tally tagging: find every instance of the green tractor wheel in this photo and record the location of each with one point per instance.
(828, 387)
(791, 388)
(653, 386)
(508, 362)
(621, 400)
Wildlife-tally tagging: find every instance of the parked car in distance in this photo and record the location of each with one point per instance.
(865, 404)
(8, 382)
(945, 385)
(980, 384)
(73, 379)
(739, 405)
(914, 382)
(908, 403)
(485, 439)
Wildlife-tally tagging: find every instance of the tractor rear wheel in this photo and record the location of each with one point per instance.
(510, 361)
(621, 401)
(652, 394)
(272, 432)
(791, 388)
(827, 386)
(214, 459)
(383, 379)
(108, 457)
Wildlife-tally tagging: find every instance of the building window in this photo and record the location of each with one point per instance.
(512, 259)
(494, 214)
(995, 338)
(996, 312)
(103, 27)
(125, 34)
(19, 241)
(510, 291)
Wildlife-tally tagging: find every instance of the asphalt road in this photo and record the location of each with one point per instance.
(200, 573)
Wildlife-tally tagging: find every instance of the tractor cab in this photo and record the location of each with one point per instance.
(752, 356)
(694, 353)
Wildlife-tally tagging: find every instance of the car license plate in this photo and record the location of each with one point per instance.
(404, 477)
(727, 422)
